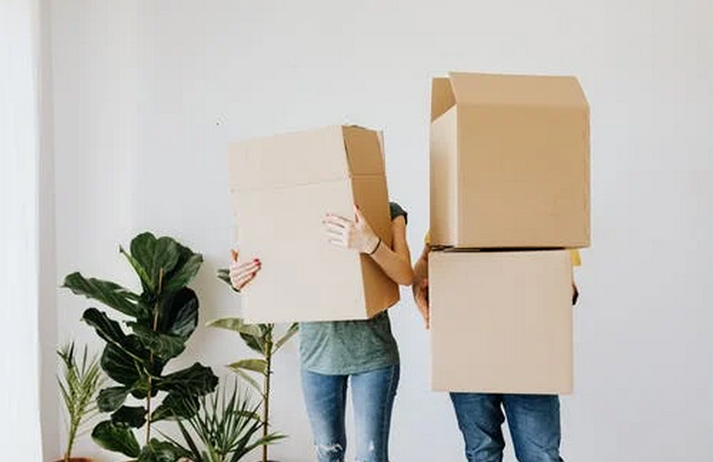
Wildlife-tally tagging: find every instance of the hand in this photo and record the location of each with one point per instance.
(242, 273)
(356, 235)
(420, 296)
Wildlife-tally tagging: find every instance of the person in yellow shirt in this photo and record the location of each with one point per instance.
(534, 420)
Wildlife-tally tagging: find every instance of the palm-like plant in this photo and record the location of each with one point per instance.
(79, 383)
(224, 428)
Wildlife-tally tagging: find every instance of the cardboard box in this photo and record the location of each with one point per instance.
(501, 322)
(282, 187)
(509, 162)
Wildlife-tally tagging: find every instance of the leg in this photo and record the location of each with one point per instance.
(480, 419)
(373, 396)
(534, 422)
(325, 399)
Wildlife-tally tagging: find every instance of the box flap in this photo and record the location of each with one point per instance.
(289, 159)
(524, 90)
(364, 151)
(442, 97)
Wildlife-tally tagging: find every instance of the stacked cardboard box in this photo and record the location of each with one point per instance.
(509, 193)
(282, 186)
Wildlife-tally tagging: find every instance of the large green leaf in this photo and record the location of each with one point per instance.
(255, 365)
(106, 292)
(111, 399)
(185, 269)
(116, 438)
(157, 257)
(162, 345)
(291, 331)
(176, 406)
(179, 314)
(131, 416)
(161, 451)
(146, 282)
(121, 367)
(197, 380)
(108, 329)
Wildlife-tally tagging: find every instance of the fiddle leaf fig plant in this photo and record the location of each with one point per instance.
(156, 324)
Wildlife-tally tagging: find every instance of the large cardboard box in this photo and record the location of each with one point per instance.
(509, 162)
(501, 322)
(282, 187)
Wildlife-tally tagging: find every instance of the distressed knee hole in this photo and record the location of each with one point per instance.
(334, 451)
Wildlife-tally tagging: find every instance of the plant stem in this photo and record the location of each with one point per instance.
(266, 396)
(72, 437)
(155, 328)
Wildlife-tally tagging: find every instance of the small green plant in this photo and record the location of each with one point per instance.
(265, 341)
(161, 319)
(79, 383)
(224, 427)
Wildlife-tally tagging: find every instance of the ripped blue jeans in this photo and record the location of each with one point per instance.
(373, 396)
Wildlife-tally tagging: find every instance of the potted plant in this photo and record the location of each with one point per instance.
(224, 428)
(161, 319)
(79, 383)
(263, 339)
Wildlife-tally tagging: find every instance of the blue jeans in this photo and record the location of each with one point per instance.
(534, 422)
(373, 395)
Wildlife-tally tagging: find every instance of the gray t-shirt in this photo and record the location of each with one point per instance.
(350, 347)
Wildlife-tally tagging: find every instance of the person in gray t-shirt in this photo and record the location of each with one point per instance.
(363, 353)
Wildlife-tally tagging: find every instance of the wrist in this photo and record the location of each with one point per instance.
(375, 246)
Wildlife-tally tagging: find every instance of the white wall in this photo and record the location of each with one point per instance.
(20, 432)
(148, 94)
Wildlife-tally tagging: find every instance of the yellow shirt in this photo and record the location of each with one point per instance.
(574, 253)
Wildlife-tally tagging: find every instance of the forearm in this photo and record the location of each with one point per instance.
(396, 265)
